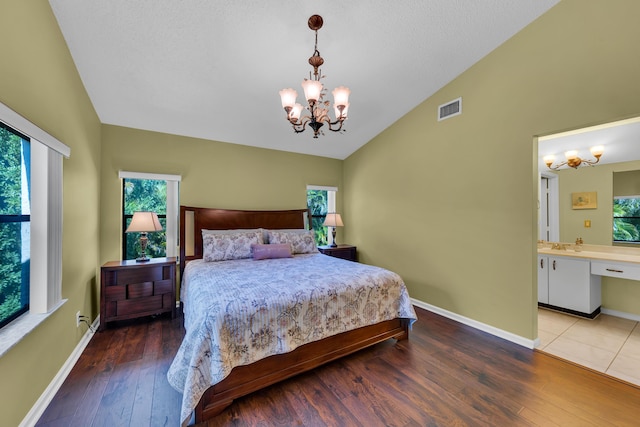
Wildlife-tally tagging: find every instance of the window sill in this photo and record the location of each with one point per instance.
(15, 331)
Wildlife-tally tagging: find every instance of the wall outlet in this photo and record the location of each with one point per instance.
(78, 319)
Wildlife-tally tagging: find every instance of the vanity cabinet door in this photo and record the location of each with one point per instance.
(543, 279)
(572, 286)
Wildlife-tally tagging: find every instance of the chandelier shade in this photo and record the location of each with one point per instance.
(288, 97)
(314, 92)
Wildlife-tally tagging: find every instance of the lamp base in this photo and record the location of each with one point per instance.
(143, 247)
(333, 241)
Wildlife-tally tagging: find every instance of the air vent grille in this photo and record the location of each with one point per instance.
(450, 109)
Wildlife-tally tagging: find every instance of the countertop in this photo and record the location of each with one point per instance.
(597, 252)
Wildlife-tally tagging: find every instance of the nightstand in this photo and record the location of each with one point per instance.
(130, 289)
(347, 252)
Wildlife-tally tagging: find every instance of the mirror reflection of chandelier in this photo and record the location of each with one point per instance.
(573, 160)
(314, 93)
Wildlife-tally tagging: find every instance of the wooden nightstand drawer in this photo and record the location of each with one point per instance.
(130, 289)
(137, 290)
(347, 252)
(139, 305)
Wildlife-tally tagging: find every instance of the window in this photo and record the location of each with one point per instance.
(155, 193)
(320, 201)
(37, 247)
(144, 195)
(626, 219)
(15, 210)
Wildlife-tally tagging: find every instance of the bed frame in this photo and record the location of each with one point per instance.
(249, 378)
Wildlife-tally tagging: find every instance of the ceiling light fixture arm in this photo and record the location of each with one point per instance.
(316, 120)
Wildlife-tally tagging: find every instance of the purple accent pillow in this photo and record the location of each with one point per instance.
(271, 251)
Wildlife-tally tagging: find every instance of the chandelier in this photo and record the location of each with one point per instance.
(573, 160)
(314, 92)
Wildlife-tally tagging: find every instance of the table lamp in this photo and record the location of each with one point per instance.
(143, 223)
(333, 220)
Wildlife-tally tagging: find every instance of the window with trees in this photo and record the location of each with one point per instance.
(320, 201)
(15, 215)
(144, 195)
(31, 175)
(626, 219)
(154, 193)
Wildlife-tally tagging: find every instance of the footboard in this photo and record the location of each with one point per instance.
(249, 378)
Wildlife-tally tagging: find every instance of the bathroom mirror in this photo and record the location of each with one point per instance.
(558, 220)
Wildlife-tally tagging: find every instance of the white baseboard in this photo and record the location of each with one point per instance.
(622, 314)
(41, 404)
(525, 342)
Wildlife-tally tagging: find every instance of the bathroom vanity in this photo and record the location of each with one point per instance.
(569, 280)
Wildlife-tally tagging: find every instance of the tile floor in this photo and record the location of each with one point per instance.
(607, 343)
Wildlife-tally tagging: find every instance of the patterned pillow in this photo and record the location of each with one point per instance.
(302, 242)
(271, 251)
(222, 247)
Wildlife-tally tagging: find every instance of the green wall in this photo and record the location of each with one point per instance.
(617, 294)
(39, 81)
(214, 174)
(451, 205)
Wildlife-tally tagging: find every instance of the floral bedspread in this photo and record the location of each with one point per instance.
(237, 312)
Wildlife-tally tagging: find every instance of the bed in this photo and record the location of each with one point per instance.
(252, 321)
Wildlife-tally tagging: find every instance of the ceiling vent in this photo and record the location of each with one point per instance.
(450, 109)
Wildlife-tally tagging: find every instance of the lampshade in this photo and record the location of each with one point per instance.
(312, 90)
(597, 151)
(144, 222)
(571, 154)
(288, 97)
(341, 95)
(296, 111)
(333, 220)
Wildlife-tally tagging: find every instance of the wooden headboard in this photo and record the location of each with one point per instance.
(193, 220)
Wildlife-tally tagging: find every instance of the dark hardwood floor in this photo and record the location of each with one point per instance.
(446, 374)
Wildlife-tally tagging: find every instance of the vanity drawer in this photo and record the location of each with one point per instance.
(623, 270)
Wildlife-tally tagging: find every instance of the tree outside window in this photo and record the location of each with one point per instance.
(15, 210)
(626, 219)
(318, 204)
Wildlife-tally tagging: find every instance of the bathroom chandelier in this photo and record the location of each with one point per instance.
(314, 93)
(573, 160)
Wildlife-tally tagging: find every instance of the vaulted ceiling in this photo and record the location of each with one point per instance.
(212, 69)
